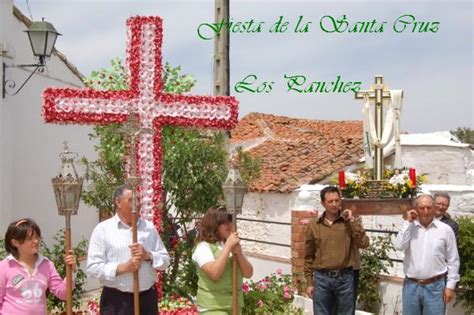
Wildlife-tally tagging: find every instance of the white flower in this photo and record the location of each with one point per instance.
(352, 177)
(400, 179)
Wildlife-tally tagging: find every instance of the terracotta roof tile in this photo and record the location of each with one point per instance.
(297, 151)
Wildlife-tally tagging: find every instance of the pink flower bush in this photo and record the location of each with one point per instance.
(92, 307)
(175, 305)
(270, 295)
(245, 287)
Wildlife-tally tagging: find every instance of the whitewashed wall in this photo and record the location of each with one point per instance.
(443, 164)
(29, 148)
(269, 207)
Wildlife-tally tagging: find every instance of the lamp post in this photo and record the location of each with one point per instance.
(67, 188)
(42, 36)
(234, 191)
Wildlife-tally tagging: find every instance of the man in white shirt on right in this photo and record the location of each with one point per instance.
(431, 263)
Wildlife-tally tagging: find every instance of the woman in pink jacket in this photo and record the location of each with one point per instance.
(25, 275)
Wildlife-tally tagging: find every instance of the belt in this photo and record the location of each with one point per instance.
(429, 280)
(334, 272)
(129, 293)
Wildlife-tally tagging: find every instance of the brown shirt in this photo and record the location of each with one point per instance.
(332, 246)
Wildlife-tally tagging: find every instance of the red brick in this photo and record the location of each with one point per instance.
(297, 237)
(298, 229)
(298, 246)
(297, 261)
(302, 214)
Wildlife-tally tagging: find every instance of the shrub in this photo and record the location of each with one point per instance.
(271, 295)
(465, 294)
(373, 261)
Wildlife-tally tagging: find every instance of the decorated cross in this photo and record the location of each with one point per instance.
(146, 98)
(374, 125)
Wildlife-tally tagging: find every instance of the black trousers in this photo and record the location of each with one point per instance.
(115, 302)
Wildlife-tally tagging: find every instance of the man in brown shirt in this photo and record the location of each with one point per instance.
(331, 243)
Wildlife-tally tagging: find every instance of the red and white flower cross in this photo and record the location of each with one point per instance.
(145, 97)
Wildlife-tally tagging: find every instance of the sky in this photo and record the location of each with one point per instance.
(424, 48)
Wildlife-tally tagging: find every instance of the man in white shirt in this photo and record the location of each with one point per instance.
(431, 263)
(112, 259)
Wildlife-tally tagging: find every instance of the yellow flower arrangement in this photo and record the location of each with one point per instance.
(397, 185)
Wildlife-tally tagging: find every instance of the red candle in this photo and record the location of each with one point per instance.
(342, 180)
(412, 174)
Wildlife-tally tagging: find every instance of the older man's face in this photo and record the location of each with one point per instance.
(442, 205)
(124, 206)
(426, 210)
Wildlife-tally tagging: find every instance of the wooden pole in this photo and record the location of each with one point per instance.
(68, 267)
(136, 286)
(132, 130)
(235, 301)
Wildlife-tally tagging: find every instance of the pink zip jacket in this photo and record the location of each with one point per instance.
(22, 293)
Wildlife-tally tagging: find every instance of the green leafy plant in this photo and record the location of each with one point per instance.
(56, 255)
(3, 252)
(465, 135)
(271, 295)
(107, 171)
(194, 167)
(465, 294)
(373, 261)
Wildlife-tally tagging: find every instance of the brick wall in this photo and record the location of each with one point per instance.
(299, 221)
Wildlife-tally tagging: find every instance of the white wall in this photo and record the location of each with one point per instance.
(29, 147)
(6, 19)
(443, 164)
(270, 207)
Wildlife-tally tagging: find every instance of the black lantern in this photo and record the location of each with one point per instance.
(42, 36)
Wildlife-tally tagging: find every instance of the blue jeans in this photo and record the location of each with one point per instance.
(330, 291)
(425, 299)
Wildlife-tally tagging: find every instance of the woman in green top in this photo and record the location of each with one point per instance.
(215, 245)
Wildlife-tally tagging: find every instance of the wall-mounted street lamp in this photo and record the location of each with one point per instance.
(42, 36)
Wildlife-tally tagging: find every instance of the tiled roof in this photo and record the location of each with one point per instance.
(297, 151)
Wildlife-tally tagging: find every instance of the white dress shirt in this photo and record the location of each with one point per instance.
(109, 247)
(429, 251)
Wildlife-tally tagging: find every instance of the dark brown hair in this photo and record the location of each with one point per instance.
(442, 194)
(329, 189)
(20, 230)
(214, 217)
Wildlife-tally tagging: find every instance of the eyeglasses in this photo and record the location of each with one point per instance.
(439, 204)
